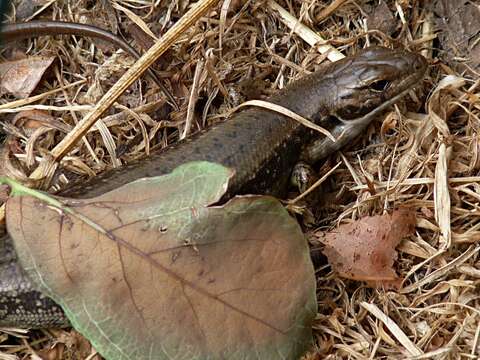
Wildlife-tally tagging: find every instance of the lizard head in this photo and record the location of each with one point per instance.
(372, 80)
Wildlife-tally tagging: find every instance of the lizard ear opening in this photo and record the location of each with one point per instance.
(379, 85)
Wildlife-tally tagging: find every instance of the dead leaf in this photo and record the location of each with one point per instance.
(365, 249)
(150, 270)
(21, 77)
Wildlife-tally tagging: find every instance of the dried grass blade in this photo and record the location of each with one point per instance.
(282, 110)
(472, 250)
(393, 327)
(441, 197)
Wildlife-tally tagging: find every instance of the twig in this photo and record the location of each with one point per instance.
(35, 98)
(192, 99)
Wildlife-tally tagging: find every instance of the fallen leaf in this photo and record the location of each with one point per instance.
(365, 249)
(152, 271)
(21, 77)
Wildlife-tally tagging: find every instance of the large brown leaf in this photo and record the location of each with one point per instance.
(150, 271)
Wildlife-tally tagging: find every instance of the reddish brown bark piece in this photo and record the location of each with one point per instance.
(365, 249)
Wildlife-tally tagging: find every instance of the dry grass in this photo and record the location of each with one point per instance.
(423, 154)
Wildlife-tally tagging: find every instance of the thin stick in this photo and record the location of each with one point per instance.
(192, 99)
(32, 99)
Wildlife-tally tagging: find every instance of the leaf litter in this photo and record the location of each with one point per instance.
(400, 161)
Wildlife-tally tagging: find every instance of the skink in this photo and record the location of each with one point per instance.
(259, 145)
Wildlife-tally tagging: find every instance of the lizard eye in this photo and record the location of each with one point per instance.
(379, 85)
